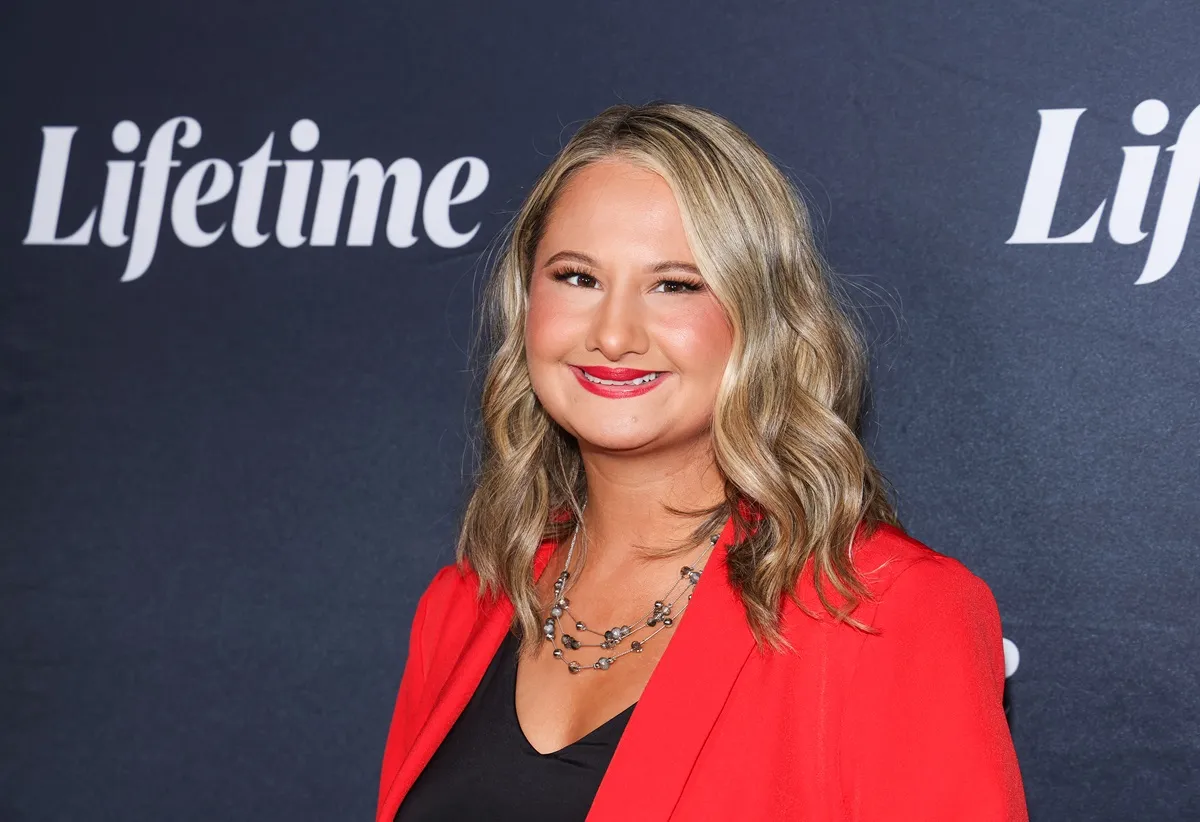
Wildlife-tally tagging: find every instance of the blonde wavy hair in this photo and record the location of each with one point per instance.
(785, 430)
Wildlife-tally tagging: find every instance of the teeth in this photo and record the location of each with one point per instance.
(639, 381)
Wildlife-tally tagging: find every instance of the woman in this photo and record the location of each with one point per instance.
(681, 592)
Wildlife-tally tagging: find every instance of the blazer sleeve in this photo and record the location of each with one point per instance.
(924, 735)
(412, 683)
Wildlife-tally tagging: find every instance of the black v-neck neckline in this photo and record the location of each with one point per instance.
(511, 649)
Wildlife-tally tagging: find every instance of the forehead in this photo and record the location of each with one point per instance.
(615, 207)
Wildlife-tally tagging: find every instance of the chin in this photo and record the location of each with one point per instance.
(614, 440)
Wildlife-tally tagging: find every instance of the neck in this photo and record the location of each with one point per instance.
(628, 498)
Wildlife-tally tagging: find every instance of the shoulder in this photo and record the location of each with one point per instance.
(927, 606)
(897, 567)
(450, 587)
(445, 612)
(449, 581)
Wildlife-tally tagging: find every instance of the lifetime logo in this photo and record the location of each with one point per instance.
(210, 181)
(1150, 117)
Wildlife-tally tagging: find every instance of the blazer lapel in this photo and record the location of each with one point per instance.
(466, 673)
(681, 701)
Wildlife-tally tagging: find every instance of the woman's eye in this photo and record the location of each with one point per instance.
(679, 286)
(584, 280)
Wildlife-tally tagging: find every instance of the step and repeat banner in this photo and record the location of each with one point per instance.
(242, 249)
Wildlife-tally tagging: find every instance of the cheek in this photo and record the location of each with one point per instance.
(548, 328)
(699, 340)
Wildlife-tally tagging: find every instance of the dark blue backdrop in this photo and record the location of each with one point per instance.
(225, 479)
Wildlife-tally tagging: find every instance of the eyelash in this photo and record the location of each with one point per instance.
(690, 286)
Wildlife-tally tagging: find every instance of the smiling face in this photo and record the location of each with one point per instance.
(615, 286)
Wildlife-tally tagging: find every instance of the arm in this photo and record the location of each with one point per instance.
(412, 681)
(925, 736)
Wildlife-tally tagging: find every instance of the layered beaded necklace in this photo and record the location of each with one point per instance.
(662, 615)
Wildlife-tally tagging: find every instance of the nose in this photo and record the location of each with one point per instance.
(618, 326)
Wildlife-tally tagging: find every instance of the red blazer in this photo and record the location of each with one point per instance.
(905, 725)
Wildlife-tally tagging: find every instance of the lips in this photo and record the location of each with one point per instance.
(585, 376)
(603, 372)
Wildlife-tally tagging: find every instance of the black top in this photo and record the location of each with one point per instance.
(485, 768)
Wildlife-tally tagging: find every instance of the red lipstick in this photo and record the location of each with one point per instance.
(605, 373)
(616, 374)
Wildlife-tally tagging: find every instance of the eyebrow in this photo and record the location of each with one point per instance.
(657, 268)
